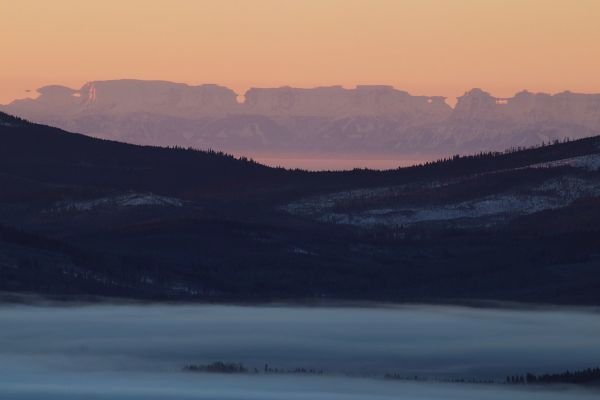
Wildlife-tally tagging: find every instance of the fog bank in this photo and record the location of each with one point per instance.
(137, 352)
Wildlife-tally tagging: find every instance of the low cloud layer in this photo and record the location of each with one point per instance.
(137, 352)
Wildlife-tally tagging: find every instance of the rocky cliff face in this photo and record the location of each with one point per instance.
(367, 120)
(338, 102)
(158, 98)
(167, 98)
(130, 96)
(529, 108)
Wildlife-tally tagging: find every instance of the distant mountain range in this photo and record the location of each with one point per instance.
(368, 121)
(81, 216)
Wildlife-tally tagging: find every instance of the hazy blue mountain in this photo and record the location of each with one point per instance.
(370, 121)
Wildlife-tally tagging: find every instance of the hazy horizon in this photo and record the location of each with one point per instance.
(34, 93)
(425, 47)
(323, 128)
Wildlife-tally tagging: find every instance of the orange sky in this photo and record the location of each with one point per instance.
(423, 46)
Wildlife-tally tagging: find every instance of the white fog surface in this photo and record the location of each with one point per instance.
(123, 352)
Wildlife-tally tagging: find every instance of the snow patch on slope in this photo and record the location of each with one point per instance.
(128, 200)
(590, 162)
(552, 194)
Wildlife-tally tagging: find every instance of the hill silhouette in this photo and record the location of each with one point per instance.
(87, 217)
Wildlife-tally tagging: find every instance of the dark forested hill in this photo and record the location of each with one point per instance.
(82, 216)
(51, 156)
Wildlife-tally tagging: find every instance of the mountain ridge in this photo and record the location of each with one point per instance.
(367, 120)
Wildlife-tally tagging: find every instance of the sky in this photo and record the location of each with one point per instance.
(428, 47)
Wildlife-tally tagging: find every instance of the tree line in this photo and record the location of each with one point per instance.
(589, 375)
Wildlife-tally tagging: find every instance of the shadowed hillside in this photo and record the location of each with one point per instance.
(82, 216)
